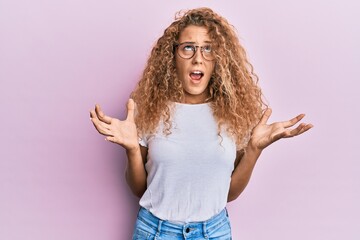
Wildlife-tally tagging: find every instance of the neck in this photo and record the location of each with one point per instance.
(195, 99)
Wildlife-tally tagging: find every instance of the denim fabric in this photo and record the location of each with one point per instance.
(149, 227)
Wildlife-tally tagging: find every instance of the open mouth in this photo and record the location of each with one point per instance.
(196, 75)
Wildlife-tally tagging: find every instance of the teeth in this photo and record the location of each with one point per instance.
(197, 72)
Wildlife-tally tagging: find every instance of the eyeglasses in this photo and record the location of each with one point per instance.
(187, 50)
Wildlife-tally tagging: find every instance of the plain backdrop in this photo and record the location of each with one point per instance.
(60, 180)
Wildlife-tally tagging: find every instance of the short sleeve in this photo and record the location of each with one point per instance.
(143, 141)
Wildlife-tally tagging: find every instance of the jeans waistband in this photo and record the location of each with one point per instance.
(202, 228)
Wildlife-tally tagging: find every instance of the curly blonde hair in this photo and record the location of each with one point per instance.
(234, 96)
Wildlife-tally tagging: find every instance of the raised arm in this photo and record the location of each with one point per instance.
(262, 136)
(125, 134)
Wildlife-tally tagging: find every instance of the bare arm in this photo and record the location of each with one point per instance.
(262, 136)
(135, 170)
(244, 165)
(124, 133)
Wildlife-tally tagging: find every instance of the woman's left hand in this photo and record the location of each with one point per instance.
(265, 134)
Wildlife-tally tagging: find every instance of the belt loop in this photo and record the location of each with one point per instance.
(204, 230)
(158, 229)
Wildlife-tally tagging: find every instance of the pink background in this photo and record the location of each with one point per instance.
(60, 180)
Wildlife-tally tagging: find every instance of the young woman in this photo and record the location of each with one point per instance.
(196, 131)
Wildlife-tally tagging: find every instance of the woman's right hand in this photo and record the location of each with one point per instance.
(123, 133)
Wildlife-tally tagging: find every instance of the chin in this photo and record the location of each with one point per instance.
(195, 92)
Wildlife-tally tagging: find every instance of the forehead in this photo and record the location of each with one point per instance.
(195, 34)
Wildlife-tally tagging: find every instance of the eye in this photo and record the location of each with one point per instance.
(188, 48)
(207, 48)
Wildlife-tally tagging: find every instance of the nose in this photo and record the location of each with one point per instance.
(197, 58)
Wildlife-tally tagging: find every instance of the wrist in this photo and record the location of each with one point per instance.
(253, 150)
(133, 150)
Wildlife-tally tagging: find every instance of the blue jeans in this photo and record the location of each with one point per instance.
(149, 227)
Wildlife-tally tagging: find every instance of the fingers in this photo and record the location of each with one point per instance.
(296, 131)
(111, 139)
(293, 121)
(130, 110)
(303, 127)
(102, 117)
(265, 117)
(100, 126)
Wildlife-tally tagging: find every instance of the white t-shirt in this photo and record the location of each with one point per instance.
(189, 170)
